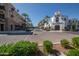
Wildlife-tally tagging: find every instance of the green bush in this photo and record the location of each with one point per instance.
(65, 43)
(73, 52)
(73, 27)
(47, 46)
(5, 48)
(75, 42)
(23, 48)
(20, 48)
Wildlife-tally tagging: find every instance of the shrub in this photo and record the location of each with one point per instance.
(5, 48)
(75, 42)
(73, 52)
(65, 43)
(23, 48)
(47, 46)
(73, 27)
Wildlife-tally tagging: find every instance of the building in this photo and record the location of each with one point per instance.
(10, 19)
(59, 22)
(44, 23)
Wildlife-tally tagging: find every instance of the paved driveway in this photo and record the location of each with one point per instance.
(38, 37)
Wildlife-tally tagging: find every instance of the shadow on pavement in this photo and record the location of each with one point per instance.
(17, 33)
(55, 53)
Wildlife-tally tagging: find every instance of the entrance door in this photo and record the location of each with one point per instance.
(11, 27)
(1, 27)
(57, 27)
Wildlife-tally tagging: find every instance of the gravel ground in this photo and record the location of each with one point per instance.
(38, 37)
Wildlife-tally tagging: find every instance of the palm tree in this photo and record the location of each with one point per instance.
(28, 21)
(25, 15)
(73, 25)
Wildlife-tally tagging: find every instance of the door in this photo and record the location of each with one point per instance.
(11, 27)
(57, 27)
(1, 27)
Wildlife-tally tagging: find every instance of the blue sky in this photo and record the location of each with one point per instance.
(37, 11)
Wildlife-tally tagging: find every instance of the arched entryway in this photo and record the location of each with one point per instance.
(57, 27)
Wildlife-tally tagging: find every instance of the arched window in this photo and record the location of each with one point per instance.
(57, 19)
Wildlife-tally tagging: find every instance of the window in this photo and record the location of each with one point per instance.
(2, 16)
(12, 9)
(68, 26)
(12, 16)
(65, 19)
(2, 7)
(1, 12)
(78, 25)
(69, 21)
(57, 19)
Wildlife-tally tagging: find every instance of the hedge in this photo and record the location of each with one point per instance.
(75, 42)
(65, 43)
(47, 46)
(21, 48)
(73, 52)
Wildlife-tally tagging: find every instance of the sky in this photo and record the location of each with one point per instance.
(37, 11)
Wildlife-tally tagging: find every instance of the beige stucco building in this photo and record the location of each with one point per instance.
(10, 19)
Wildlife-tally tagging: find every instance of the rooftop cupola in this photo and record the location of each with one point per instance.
(58, 13)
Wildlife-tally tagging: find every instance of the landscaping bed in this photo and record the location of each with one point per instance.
(47, 48)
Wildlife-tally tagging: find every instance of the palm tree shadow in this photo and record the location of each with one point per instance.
(40, 53)
(69, 47)
(55, 52)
